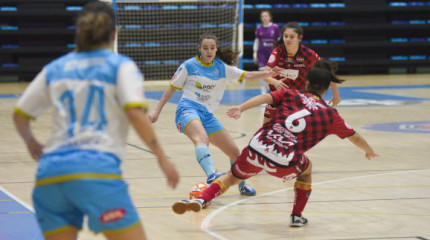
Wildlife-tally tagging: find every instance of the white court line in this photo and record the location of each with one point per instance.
(17, 199)
(205, 223)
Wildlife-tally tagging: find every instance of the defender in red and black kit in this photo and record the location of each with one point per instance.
(301, 120)
(295, 59)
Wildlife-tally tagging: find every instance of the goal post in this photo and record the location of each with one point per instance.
(160, 35)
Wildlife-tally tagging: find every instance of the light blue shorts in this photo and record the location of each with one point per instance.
(188, 111)
(106, 203)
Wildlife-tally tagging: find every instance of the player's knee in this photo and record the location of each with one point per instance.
(200, 140)
(234, 153)
(231, 180)
(306, 173)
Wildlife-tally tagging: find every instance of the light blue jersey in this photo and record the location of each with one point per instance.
(89, 93)
(205, 83)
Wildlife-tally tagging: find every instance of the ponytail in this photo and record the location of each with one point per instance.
(332, 67)
(95, 24)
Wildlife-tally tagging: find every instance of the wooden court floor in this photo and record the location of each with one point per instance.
(352, 197)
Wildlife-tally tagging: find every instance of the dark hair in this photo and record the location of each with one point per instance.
(332, 67)
(293, 25)
(268, 12)
(227, 55)
(96, 23)
(318, 80)
(321, 75)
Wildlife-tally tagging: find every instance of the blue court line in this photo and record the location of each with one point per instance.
(346, 93)
(10, 95)
(17, 219)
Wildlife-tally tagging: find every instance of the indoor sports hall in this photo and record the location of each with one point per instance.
(382, 48)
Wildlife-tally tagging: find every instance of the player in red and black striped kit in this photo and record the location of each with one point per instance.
(301, 120)
(295, 59)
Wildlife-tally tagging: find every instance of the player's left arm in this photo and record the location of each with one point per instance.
(360, 142)
(343, 130)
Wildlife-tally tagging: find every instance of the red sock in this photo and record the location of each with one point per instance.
(302, 192)
(214, 190)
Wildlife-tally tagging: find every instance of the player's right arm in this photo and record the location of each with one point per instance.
(22, 125)
(176, 83)
(360, 142)
(273, 98)
(154, 114)
(33, 102)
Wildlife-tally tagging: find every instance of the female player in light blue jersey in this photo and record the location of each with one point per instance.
(203, 79)
(94, 94)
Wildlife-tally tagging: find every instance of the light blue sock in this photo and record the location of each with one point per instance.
(241, 184)
(204, 159)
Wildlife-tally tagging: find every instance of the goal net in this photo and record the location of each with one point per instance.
(160, 35)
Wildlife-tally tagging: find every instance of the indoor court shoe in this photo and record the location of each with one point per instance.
(182, 206)
(247, 190)
(213, 176)
(298, 221)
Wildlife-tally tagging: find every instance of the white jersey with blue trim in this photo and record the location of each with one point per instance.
(90, 92)
(205, 83)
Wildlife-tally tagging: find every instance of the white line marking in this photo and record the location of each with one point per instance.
(205, 223)
(17, 199)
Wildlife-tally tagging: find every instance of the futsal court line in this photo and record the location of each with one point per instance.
(17, 199)
(205, 223)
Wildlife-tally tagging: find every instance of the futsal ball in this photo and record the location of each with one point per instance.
(197, 190)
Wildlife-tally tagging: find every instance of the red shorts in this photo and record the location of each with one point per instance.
(269, 111)
(249, 164)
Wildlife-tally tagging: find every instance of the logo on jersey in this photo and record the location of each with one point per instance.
(269, 150)
(272, 58)
(289, 73)
(311, 103)
(258, 161)
(206, 88)
(242, 173)
(175, 76)
(300, 59)
(83, 64)
(300, 65)
(202, 98)
(112, 215)
(216, 72)
(289, 177)
(287, 134)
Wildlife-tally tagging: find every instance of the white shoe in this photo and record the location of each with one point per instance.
(182, 206)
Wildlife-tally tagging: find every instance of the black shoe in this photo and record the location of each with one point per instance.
(298, 221)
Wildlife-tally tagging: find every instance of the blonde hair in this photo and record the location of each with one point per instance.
(95, 24)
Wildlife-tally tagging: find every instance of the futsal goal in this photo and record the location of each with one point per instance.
(160, 35)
